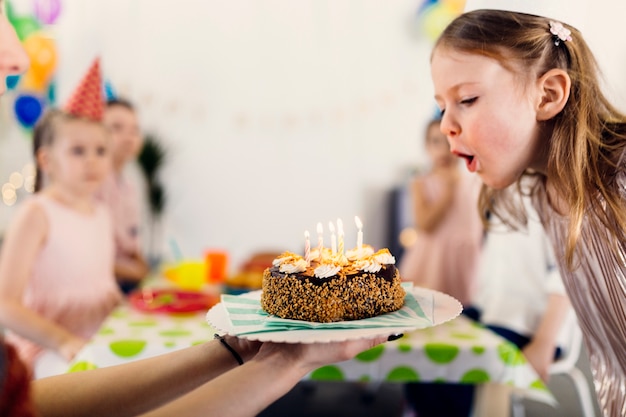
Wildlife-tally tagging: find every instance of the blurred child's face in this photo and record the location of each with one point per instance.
(13, 58)
(489, 118)
(437, 147)
(125, 134)
(78, 160)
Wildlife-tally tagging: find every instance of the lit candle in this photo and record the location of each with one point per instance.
(333, 238)
(340, 235)
(359, 235)
(320, 239)
(307, 247)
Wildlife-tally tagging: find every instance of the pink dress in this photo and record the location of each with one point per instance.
(72, 280)
(446, 259)
(123, 201)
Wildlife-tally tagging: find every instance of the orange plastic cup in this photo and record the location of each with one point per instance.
(216, 262)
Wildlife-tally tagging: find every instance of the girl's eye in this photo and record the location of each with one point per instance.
(441, 113)
(469, 100)
(78, 150)
(101, 150)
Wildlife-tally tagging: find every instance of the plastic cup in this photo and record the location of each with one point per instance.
(216, 262)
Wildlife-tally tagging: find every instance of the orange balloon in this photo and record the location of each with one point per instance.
(33, 81)
(43, 56)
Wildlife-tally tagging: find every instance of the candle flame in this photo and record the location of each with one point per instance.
(320, 228)
(331, 227)
(358, 222)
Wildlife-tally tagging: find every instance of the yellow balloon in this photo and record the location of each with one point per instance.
(42, 53)
(456, 6)
(436, 18)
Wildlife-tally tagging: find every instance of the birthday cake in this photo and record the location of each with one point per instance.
(327, 286)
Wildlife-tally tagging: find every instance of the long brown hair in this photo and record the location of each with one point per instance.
(588, 136)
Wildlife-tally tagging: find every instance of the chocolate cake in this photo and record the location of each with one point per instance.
(331, 287)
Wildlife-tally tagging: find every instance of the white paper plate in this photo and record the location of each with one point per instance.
(445, 308)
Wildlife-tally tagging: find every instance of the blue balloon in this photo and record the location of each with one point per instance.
(12, 81)
(28, 108)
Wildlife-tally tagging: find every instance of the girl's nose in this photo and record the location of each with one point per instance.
(448, 127)
(13, 58)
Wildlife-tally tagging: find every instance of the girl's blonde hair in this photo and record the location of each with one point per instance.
(588, 136)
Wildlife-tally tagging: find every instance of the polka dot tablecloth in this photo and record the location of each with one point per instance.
(456, 351)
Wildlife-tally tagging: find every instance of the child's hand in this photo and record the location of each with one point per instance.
(71, 346)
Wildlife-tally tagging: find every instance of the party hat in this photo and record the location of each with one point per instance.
(572, 12)
(88, 100)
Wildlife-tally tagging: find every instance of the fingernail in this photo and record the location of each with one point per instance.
(394, 337)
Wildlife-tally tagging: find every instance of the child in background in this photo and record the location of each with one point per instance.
(121, 196)
(445, 255)
(519, 296)
(520, 94)
(56, 264)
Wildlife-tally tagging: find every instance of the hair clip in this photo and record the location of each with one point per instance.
(560, 32)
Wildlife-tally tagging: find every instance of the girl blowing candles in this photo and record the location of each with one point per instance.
(519, 93)
(56, 278)
(202, 380)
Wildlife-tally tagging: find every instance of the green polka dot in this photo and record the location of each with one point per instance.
(403, 374)
(198, 342)
(169, 344)
(106, 331)
(119, 314)
(510, 354)
(404, 347)
(475, 376)
(370, 355)
(175, 333)
(478, 350)
(328, 373)
(465, 336)
(365, 378)
(440, 380)
(441, 352)
(142, 323)
(82, 366)
(127, 348)
(538, 384)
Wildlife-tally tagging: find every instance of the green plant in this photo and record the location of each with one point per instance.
(151, 158)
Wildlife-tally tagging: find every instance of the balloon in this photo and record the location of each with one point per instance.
(33, 81)
(435, 19)
(28, 108)
(12, 81)
(24, 26)
(47, 11)
(43, 57)
(455, 6)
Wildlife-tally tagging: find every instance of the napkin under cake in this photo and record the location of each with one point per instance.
(332, 287)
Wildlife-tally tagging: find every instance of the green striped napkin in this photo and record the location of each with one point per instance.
(246, 316)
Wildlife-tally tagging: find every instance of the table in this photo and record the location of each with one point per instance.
(456, 351)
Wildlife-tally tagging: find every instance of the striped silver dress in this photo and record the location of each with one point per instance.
(597, 289)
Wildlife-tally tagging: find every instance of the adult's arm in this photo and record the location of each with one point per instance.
(189, 382)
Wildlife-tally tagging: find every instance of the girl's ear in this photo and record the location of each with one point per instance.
(42, 158)
(554, 87)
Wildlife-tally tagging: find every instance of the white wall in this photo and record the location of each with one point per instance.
(277, 114)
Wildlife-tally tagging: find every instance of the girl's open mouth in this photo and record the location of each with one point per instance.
(470, 161)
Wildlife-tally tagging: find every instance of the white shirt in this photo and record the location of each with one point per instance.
(517, 274)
